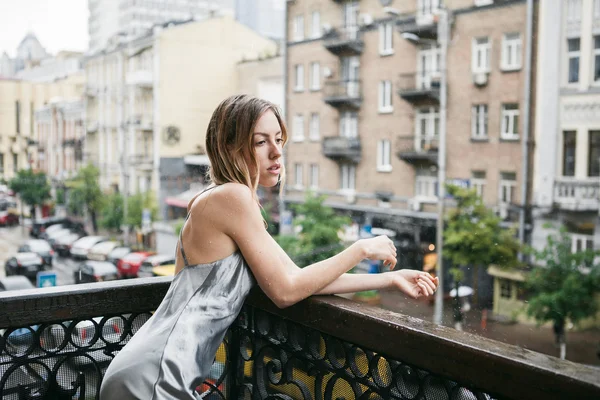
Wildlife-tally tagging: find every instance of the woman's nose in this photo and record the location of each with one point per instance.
(276, 151)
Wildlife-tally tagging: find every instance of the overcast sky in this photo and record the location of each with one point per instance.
(58, 24)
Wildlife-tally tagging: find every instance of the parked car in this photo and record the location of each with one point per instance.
(81, 248)
(147, 266)
(51, 229)
(51, 239)
(101, 250)
(39, 247)
(15, 283)
(117, 254)
(95, 271)
(39, 226)
(164, 270)
(132, 262)
(63, 244)
(9, 215)
(26, 264)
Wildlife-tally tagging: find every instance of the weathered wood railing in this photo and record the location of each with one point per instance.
(322, 348)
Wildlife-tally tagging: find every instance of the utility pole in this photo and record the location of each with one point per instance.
(443, 38)
(281, 202)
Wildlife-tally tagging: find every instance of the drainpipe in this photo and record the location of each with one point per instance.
(284, 106)
(526, 118)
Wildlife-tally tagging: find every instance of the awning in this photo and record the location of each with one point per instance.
(198, 159)
(182, 199)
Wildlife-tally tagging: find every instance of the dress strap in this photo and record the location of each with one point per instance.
(185, 260)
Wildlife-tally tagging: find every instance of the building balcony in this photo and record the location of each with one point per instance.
(321, 348)
(419, 87)
(140, 78)
(577, 194)
(142, 162)
(92, 127)
(418, 149)
(343, 94)
(144, 122)
(340, 148)
(91, 91)
(346, 40)
(423, 26)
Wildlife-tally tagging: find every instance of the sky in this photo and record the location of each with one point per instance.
(58, 24)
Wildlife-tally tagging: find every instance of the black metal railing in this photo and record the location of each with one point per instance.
(325, 347)
(419, 86)
(341, 147)
(344, 40)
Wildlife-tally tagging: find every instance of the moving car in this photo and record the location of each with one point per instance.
(39, 247)
(81, 248)
(148, 265)
(101, 250)
(132, 262)
(95, 271)
(26, 264)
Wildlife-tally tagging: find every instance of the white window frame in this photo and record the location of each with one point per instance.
(426, 188)
(298, 128)
(572, 55)
(314, 129)
(314, 176)
(298, 28)
(386, 39)
(348, 178)
(349, 124)
(315, 25)
(385, 97)
(431, 117)
(583, 240)
(509, 185)
(596, 8)
(511, 48)
(480, 3)
(479, 121)
(298, 176)
(384, 155)
(479, 185)
(315, 75)
(428, 65)
(299, 77)
(483, 52)
(510, 122)
(573, 10)
(426, 9)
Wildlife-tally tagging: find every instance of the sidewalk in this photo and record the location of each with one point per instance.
(581, 346)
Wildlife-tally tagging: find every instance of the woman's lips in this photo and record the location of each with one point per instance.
(274, 170)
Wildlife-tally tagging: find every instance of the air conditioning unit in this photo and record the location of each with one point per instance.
(327, 72)
(480, 78)
(351, 198)
(414, 204)
(365, 19)
(502, 211)
(327, 29)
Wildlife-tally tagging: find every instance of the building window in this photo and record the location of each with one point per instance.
(508, 182)
(510, 122)
(428, 67)
(511, 51)
(569, 148)
(597, 56)
(349, 124)
(298, 175)
(1, 163)
(479, 121)
(426, 9)
(315, 24)
(596, 8)
(581, 242)
(480, 3)
(594, 154)
(15, 163)
(478, 182)
(386, 35)
(348, 175)
(299, 75)
(298, 132)
(573, 10)
(314, 132)
(573, 55)
(385, 97)
(298, 28)
(426, 184)
(315, 76)
(314, 176)
(427, 128)
(505, 288)
(18, 116)
(384, 156)
(481, 55)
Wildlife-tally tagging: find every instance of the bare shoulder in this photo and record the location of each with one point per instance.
(225, 201)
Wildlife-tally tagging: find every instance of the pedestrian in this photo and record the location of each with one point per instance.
(223, 251)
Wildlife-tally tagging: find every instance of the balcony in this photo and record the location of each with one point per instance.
(341, 148)
(344, 41)
(424, 25)
(418, 149)
(140, 78)
(321, 348)
(142, 162)
(577, 194)
(92, 127)
(343, 94)
(143, 122)
(420, 87)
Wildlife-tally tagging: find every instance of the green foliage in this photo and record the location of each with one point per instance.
(135, 206)
(565, 285)
(319, 235)
(76, 204)
(85, 188)
(60, 196)
(179, 226)
(32, 187)
(268, 216)
(112, 212)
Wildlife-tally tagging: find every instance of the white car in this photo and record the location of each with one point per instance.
(101, 250)
(81, 248)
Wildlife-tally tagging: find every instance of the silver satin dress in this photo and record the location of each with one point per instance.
(173, 351)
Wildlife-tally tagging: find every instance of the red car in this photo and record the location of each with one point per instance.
(130, 264)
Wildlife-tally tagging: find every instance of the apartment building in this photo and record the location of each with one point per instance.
(149, 101)
(363, 108)
(567, 153)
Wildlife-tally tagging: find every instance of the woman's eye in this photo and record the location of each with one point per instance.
(279, 140)
(260, 143)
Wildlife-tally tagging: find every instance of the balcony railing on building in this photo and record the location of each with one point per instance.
(92, 126)
(425, 23)
(142, 122)
(142, 161)
(577, 194)
(325, 347)
(341, 148)
(420, 86)
(345, 93)
(418, 149)
(141, 78)
(345, 40)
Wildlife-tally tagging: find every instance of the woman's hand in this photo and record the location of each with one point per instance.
(380, 248)
(414, 283)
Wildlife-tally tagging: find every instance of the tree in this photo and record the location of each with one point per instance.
(135, 206)
(112, 212)
(86, 192)
(473, 237)
(564, 286)
(319, 232)
(32, 187)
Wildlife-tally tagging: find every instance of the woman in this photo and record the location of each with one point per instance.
(223, 250)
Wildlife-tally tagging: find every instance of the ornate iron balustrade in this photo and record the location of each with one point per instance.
(322, 348)
(577, 194)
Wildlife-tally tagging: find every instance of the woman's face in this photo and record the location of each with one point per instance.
(268, 144)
